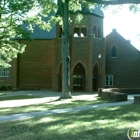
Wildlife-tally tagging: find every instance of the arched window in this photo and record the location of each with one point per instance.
(80, 32)
(83, 31)
(95, 31)
(99, 32)
(113, 52)
(76, 31)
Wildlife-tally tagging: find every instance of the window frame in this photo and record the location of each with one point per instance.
(110, 80)
(80, 31)
(5, 72)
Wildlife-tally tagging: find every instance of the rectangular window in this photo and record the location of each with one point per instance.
(109, 80)
(4, 72)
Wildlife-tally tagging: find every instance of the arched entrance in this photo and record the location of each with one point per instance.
(95, 78)
(79, 78)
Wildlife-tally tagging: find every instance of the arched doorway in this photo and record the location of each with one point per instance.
(79, 78)
(95, 78)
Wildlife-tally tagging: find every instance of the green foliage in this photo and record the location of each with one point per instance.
(4, 86)
(134, 8)
(12, 15)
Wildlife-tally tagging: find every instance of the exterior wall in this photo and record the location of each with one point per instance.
(35, 65)
(56, 83)
(125, 67)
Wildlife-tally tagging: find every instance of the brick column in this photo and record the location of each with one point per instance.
(103, 62)
(89, 66)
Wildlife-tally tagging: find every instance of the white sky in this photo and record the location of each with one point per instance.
(125, 22)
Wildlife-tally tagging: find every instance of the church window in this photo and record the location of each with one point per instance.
(99, 32)
(109, 80)
(80, 32)
(83, 31)
(113, 52)
(4, 72)
(95, 32)
(76, 31)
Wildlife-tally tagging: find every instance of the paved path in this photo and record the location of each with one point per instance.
(29, 115)
(45, 94)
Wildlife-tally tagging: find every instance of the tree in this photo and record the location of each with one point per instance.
(114, 2)
(12, 15)
(62, 9)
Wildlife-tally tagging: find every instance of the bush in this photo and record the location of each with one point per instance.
(8, 87)
(3, 87)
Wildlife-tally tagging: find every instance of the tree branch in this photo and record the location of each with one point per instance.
(114, 2)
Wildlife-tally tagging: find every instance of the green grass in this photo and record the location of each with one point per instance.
(109, 123)
(17, 97)
(50, 105)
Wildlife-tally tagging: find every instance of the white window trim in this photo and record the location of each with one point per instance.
(109, 80)
(113, 57)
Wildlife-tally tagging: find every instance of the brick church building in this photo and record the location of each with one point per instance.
(96, 61)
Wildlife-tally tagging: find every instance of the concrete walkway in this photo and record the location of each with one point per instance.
(42, 96)
(29, 115)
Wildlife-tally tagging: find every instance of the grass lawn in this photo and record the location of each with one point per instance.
(50, 105)
(109, 123)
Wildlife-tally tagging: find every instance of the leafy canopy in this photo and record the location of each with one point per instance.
(12, 16)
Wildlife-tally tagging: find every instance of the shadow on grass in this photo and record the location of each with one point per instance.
(54, 104)
(97, 124)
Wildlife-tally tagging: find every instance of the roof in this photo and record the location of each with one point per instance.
(93, 11)
(96, 11)
(41, 34)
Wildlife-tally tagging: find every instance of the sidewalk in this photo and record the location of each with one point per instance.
(29, 115)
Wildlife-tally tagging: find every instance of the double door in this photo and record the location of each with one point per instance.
(78, 82)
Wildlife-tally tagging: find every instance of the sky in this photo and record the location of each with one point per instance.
(125, 22)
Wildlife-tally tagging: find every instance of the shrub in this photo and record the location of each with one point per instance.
(8, 87)
(3, 87)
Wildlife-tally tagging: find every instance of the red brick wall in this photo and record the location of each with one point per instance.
(35, 65)
(125, 67)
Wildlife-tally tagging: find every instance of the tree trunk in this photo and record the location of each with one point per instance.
(65, 53)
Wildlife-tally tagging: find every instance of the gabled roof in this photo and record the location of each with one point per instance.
(116, 37)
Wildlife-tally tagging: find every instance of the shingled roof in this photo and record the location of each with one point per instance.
(93, 11)
(42, 34)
